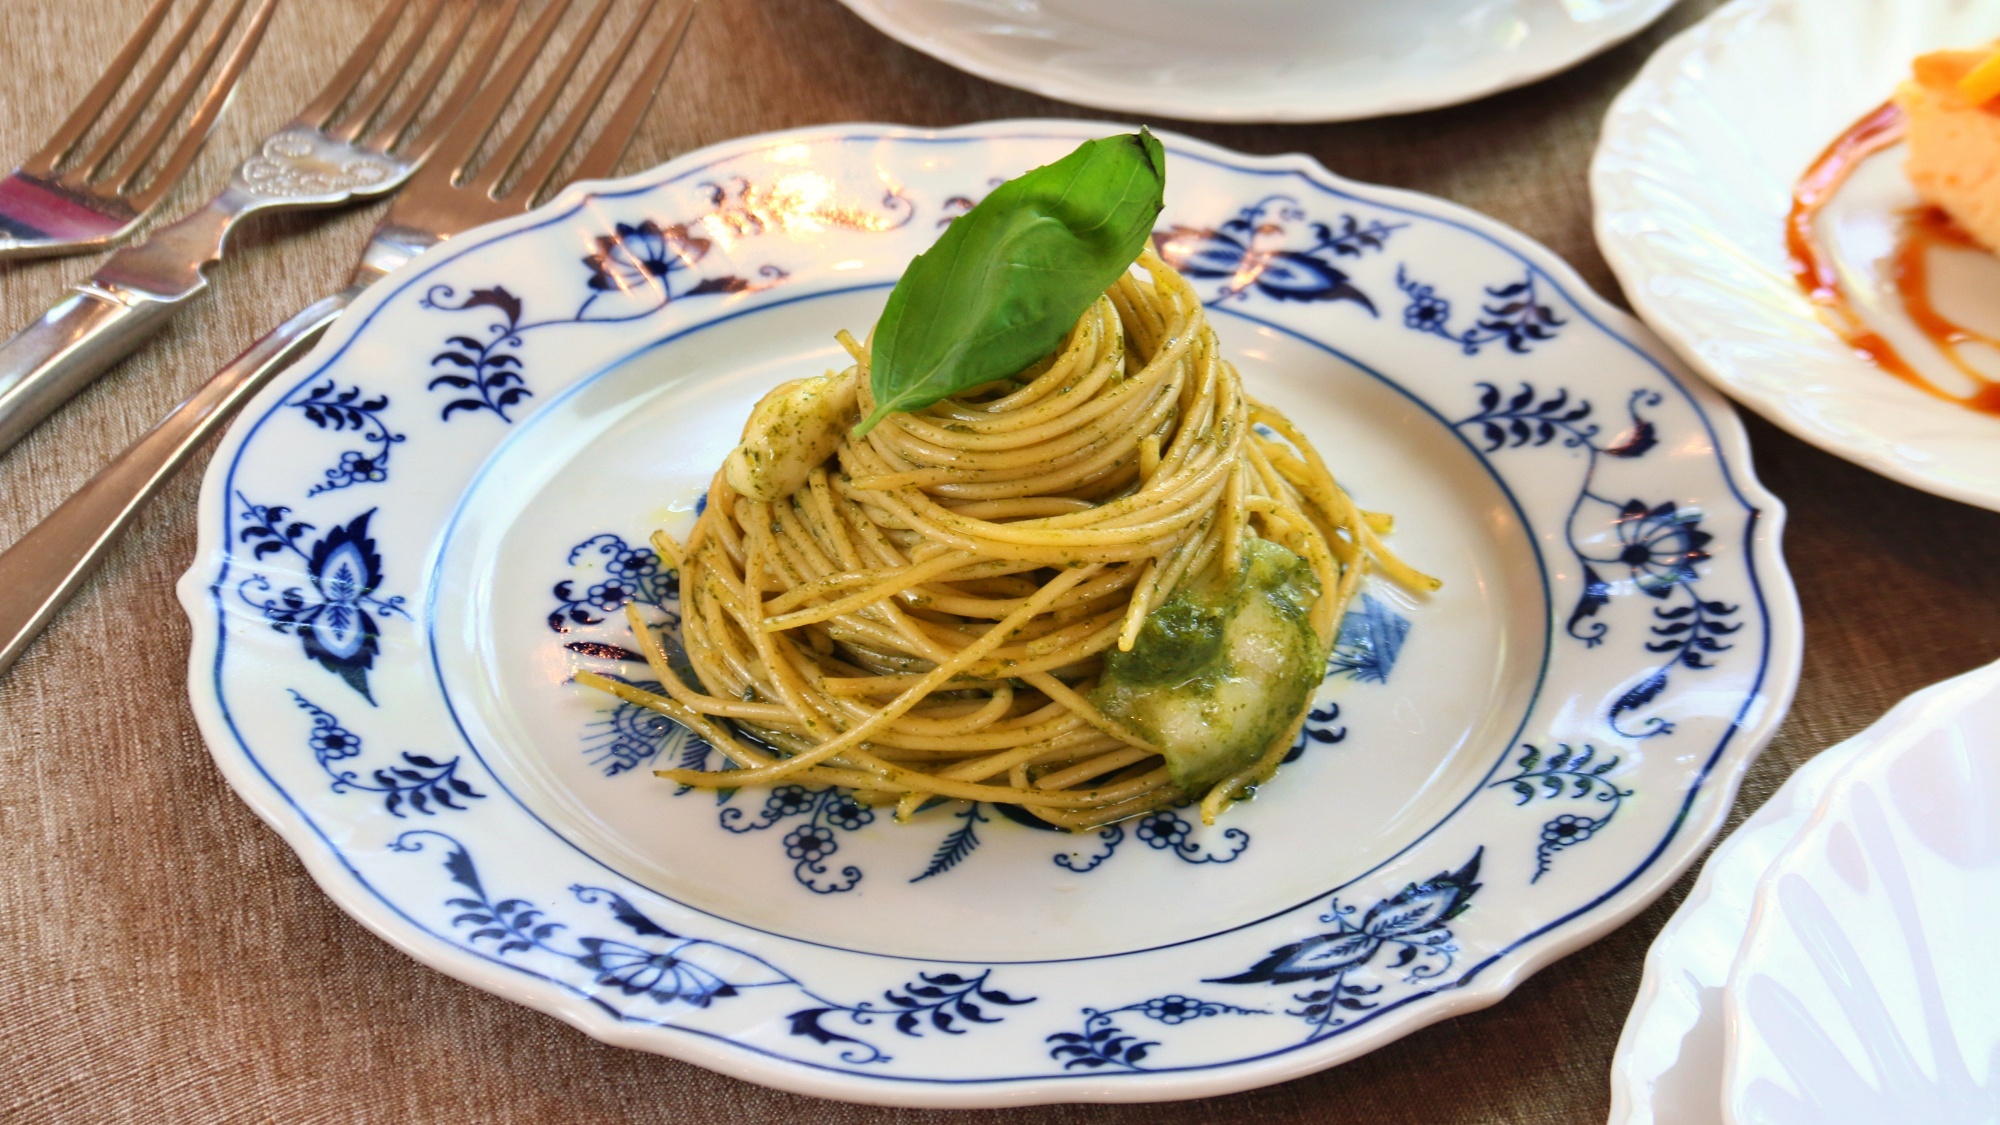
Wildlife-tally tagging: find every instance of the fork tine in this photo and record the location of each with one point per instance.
(317, 112)
(624, 122)
(169, 111)
(510, 150)
(461, 94)
(86, 168)
(357, 117)
(454, 146)
(85, 115)
(531, 181)
(208, 112)
(385, 134)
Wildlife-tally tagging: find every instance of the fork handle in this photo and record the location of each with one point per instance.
(44, 567)
(49, 361)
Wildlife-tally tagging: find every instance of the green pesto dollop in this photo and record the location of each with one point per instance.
(1219, 670)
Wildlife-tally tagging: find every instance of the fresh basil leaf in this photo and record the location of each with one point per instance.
(1008, 278)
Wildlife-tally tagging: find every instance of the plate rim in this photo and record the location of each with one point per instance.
(1775, 684)
(1277, 110)
(1793, 804)
(1628, 263)
(1901, 730)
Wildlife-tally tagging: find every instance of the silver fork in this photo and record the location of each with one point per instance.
(47, 208)
(345, 145)
(42, 569)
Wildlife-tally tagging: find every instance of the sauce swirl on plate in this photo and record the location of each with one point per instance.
(1922, 229)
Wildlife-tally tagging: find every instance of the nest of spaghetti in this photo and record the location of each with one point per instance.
(1105, 586)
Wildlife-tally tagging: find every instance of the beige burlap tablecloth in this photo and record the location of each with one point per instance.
(164, 957)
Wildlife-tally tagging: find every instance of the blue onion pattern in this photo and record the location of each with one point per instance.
(827, 812)
(1513, 315)
(1410, 926)
(1577, 775)
(1162, 831)
(350, 411)
(1102, 1043)
(670, 970)
(419, 782)
(338, 619)
(624, 573)
(1656, 545)
(637, 270)
(1274, 249)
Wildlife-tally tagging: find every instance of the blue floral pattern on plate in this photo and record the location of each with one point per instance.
(349, 411)
(644, 260)
(1577, 775)
(1659, 544)
(670, 969)
(336, 621)
(418, 782)
(1511, 314)
(1408, 925)
(1102, 1043)
(1276, 250)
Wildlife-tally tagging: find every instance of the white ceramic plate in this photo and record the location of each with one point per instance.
(1692, 182)
(410, 545)
(1261, 60)
(1669, 1062)
(1864, 991)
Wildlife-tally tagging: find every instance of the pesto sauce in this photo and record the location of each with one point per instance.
(1221, 669)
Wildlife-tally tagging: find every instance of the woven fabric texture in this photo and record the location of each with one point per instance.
(165, 958)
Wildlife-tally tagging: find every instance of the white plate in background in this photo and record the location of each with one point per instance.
(1668, 1066)
(1692, 182)
(1866, 990)
(1261, 60)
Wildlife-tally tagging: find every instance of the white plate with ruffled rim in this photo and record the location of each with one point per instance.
(1692, 182)
(1669, 1063)
(1261, 60)
(411, 543)
(1864, 990)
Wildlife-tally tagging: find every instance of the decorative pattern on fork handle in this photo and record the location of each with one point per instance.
(296, 164)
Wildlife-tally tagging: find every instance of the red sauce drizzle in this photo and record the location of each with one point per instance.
(1922, 229)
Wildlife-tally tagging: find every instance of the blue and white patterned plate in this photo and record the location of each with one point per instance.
(411, 543)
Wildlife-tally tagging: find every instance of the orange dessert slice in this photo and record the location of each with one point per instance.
(1952, 105)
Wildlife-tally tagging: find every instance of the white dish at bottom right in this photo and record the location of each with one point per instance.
(1866, 990)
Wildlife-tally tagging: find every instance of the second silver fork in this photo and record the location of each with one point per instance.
(345, 145)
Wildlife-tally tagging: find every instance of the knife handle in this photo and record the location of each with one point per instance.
(131, 297)
(44, 567)
(49, 361)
